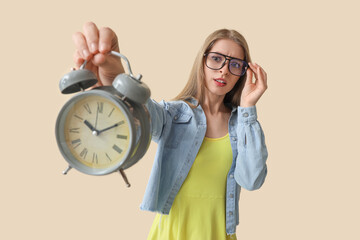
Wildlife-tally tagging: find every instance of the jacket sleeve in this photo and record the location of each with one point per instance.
(251, 169)
(158, 115)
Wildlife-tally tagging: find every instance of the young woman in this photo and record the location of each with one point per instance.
(210, 144)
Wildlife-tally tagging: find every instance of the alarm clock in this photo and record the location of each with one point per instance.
(105, 129)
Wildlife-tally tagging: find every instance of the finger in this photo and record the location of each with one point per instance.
(78, 59)
(81, 46)
(99, 59)
(107, 40)
(255, 68)
(265, 74)
(249, 76)
(252, 68)
(91, 34)
(260, 78)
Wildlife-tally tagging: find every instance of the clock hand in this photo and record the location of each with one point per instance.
(115, 125)
(94, 131)
(97, 113)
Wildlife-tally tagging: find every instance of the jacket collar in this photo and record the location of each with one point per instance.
(194, 101)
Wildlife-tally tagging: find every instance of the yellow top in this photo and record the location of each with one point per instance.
(198, 211)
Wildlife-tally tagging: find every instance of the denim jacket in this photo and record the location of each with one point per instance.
(179, 131)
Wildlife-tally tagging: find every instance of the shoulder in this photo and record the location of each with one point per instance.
(176, 107)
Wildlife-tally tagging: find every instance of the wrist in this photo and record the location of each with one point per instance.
(246, 105)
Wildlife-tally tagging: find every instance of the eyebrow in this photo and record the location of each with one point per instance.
(229, 56)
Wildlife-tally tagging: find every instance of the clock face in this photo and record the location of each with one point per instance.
(96, 132)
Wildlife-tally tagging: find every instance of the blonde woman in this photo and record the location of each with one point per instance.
(210, 144)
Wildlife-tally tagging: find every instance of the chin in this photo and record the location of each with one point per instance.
(217, 92)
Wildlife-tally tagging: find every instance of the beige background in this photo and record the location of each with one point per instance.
(310, 114)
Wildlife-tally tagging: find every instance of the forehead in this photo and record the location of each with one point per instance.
(228, 47)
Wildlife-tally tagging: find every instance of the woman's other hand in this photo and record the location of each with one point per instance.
(252, 92)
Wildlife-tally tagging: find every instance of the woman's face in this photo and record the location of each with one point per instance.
(219, 82)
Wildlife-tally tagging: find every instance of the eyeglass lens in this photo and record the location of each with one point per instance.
(216, 61)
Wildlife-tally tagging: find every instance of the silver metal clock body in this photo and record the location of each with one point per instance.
(105, 129)
(137, 121)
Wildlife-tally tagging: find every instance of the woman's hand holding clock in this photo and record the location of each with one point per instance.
(94, 45)
(120, 144)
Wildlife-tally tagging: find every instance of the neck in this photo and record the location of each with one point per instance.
(213, 104)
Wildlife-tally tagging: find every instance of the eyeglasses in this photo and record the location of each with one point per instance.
(216, 61)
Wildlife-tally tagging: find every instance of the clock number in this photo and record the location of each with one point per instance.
(108, 157)
(84, 153)
(121, 136)
(95, 158)
(111, 112)
(78, 117)
(87, 108)
(76, 141)
(116, 148)
(100, 107)
(74, 130)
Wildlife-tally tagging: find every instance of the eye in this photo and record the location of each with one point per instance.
(236, 64)
(216, 58)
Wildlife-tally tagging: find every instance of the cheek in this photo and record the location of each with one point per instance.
(208, 75)
(207, 72)
(234, 80)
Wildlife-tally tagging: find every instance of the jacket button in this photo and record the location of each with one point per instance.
(230, 213)
(234, 138)
(245, 114)
(231, 176)
(231, 195)
(176, 117)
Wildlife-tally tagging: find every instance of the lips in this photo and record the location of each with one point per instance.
(220, 82)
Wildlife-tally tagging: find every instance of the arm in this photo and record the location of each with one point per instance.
(251, 169)
(158, 117)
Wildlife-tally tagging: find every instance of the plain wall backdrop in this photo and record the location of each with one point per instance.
(310, 113)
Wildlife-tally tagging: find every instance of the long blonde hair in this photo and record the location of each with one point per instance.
(195, 86)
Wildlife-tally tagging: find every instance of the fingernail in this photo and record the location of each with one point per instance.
(86, 53)
(93, 47)
(102, 47)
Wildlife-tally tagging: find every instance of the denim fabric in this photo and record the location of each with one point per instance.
(179, 132)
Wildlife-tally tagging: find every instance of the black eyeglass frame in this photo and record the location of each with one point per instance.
(228, 58)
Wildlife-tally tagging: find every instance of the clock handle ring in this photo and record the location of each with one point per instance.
(137, 78)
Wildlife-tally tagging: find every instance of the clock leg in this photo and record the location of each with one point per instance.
(121, 171)
(67, 170)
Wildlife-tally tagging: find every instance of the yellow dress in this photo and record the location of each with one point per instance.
(198, 211)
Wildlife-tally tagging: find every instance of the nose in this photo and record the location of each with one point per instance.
(225, 67)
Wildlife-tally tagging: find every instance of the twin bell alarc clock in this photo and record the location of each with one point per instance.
(105, 129)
